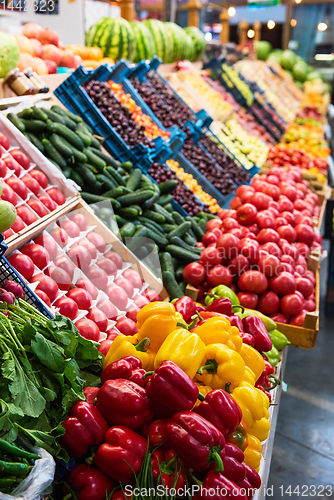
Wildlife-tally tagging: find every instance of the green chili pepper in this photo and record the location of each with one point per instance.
(17, 452)
(278, 339)
(219, 292)
(273, 356)
(268, 322)
(14, 468)
(8, 481)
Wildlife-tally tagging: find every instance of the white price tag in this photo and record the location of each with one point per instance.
(284, 386)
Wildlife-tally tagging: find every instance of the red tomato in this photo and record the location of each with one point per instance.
(194, 273)
(141, 301)
(87, 244)
(305, 286)
(219, 275)
(46, 200)
(133, 276)
(265, 219)
(260, 200)
(290, 250)
(99, 318)
(283, 284)
(4, 142)
(279, 318)
(42, 295)
(23, 264)
(273, 179)
(56, 196)
(117, 296)
(236, 231)
(288, 260)
(235, 203)
(210, 257)
(37, 207)
(3, 168)
(227, 213)
(246, 214)
(309, 305)
(152, 295)
(209, 238)
(80, 256)
(272, 191)
(269, 303)
(21, 158)
(88, 285)
(268, 265)
(104, 348)
(38, 254)
(244, 187)
(268, 235)
(132, 313)
(31, 184)
(81, 297)
(70, 227)
(80, 220)
(284, 266)
(291, 304)
(238, 265)
(285, 205)
(97, 276)
(126, 326)
(107, 265)
(88, 329)
(12, 164)
(250, 249)
(253, 281)
(287, 232)
(60, 236)
(288, 190)
(7, 234)
(305, 234)
(39, 177)
(60, 277)
(18, 186)
(212, 223)
(26, 215)
(272, 248)
(246, 196)
(309, 275)
(126, 285)
(259, 185)
(230, 223)
(298, 319)
(217, 232)
(280, 221)
(108, 309)
(227, 244)
(117, 259)
(67, 307)
(64, 263)
(254, 229)
(248, 299)
(97, 240)
(48, 243)
(18, 224)
(303, 249)
(47, 285)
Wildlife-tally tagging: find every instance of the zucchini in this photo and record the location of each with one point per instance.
(120, 221)
(164, 199)
(127, 230)
(26, 113)
(136, 197)
(16, 120)
(65, 112)
(158, 218)
(107, 184)
(166, 262)
(51, 152)
(160, 210)
(118, 178)
(168, 227)
(134, 179)
(54, 117)
(180, 230)
(95, 160)
(196, 228)
(175, 240)
(156, 226)
(179, 273)
(168, 187)
(189, 239)
(58, 143)
(39, 114)
(127, 165)
(35, 126)
(94, 198)
(114, 192)
(173, 289)
(35, 141)
(128, 213)
(78, 156)
(182, 254)
(67, 133)
(76, 177)
(108, 159)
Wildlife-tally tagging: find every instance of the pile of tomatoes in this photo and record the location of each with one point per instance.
(284, 155)
(259, 247)
(26, 187)
(74, 272)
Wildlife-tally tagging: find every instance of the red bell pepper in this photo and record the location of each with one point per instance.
(90, 394)
(120, 495)
(263, 390)
(236, 321)
(196, 441)
(156, 433)
(90, 483)
(221, 410)
(233, 463)
(167, 470)
(122, 454)
(252, 476)
(216, 486)
(122, 368)
(186, 307)
(239, 437)
(247, 487)
(123, 402)
(137, 377)
(172, 387)
(256, 327)
(248, 339)
(84, 427)
(222, 305)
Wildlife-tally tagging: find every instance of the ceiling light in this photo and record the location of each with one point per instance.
(231, 11)
(250, 33)
(324, 57)
(293, 22)
(322, 26)
(208, 36)
(271, 24)
(298, 1)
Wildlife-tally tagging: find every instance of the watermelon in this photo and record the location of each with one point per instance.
(145, 47)
(179, 41)
(114, 36)
(189, 49)
(288, 59)
(162, 38)
(198, 41)
(299, 71)
(263, 49)
(314, 75)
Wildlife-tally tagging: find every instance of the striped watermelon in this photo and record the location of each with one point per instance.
(198, 41)
(180, 42)
(162, 38)
(188, 49)
(114, 36)
(145, 46)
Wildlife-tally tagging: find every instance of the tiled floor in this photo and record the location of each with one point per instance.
(304, 443)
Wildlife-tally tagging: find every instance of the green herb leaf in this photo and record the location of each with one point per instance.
(70, 398)
(25, 393)
(49, 353)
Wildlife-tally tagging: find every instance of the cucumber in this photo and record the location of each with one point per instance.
(182, 254)
(173, 289)
(91, 168)
(107, 184)
(76, 177)
(158, 238)
(160, 210)
(54, 117)
(134, 179)
(95, 143)
(166, 262)
(164, 199)
(67, 133)
(180, 230)
(118, 178)
(179, 273)
(67, 172)
(146, 182)
(35, 126)
(26, 113)
(128, 213)
(156, 226)
(127, 230)
(65, 112)
(178, 218)
(58, 143)
(39, 114)
(16, 121)
(127, 165)
(169, 207)
(168, 187)
(89, 178)
(168, 227)
(114, 192)
(140, 232)
(108, 159)
(105, 213)
(175, 240)
(78, 156)
(51, 152)
(158, 218)
(211, 216)
(35, 141)
(86, 139)
(122, 172)
(150, 202)
(94, 198)
(136, 197)
(189, 239)
(138, 208)
(196, 228)
(202, 225)
(94, 159)
(120, 221)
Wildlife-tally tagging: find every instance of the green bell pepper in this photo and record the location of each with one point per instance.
(278, 339)
(273, 356)
(219, 292)
(268, 322)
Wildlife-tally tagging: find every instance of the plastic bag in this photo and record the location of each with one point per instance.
(37, 481)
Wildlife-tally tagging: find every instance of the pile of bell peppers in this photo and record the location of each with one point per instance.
(188, 393)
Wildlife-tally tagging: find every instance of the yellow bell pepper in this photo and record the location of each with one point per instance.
(252, 359)
(125, 345)
(156, 321)
(219, 331)
(253, 452)
(249, 376)
(203, 389)
(221, 366)
(186, 349)
(254, 405)
(261, 429)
